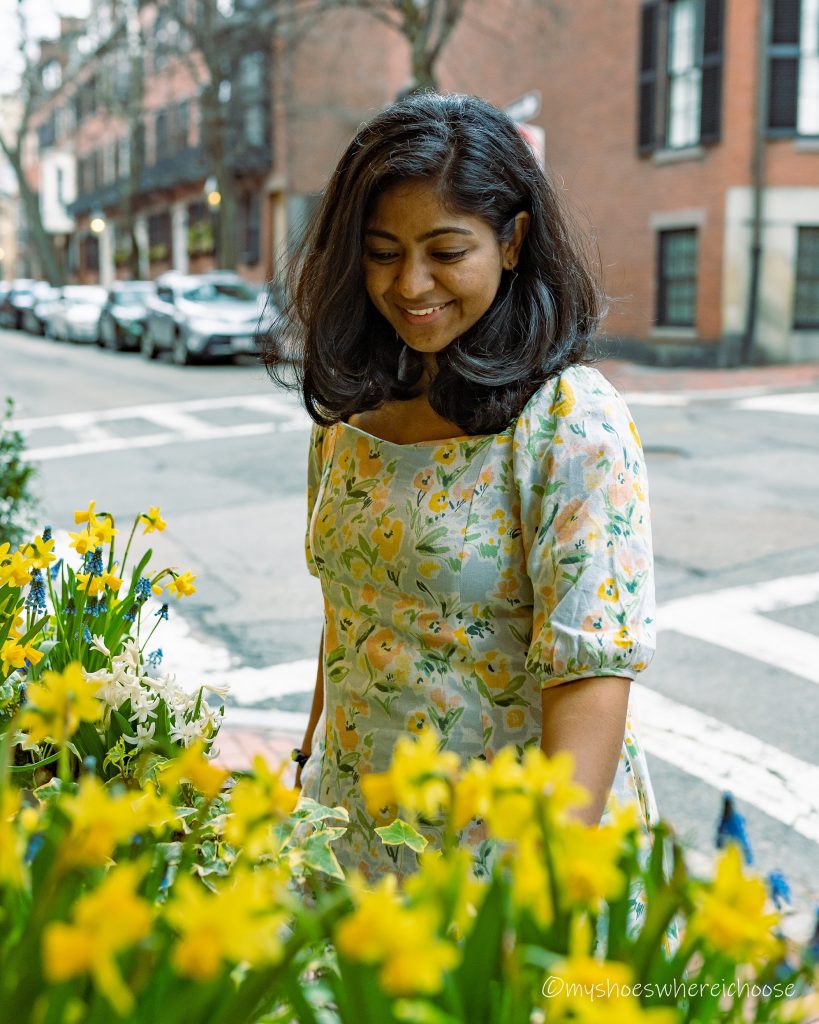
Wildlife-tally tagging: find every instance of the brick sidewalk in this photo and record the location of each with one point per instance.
(239, 746)
(635, 377)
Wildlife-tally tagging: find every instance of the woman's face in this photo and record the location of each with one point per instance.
(430, 272)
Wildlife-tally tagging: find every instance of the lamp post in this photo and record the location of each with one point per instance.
(213, 197)
(100, 228)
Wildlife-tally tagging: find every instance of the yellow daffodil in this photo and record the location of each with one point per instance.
(87, 516)
(58, 703)
(192, 766)
(16, 571)
(586, 863)
(730, 912)
(104, 923)
(239, 923)
(5, 547)
(256, 804)
(420, 777)
(403, 940)
(112, 581)
(12, 841)
(102, 819)
(182, 585)
(14, 654)
(448, 881)
(530, 878)
(82, 542)
(92, 585)
(41, 552)
(152, 520)
(103, 531)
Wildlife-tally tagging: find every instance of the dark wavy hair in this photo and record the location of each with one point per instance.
(540, 321)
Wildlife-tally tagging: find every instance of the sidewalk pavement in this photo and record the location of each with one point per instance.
(239, 746)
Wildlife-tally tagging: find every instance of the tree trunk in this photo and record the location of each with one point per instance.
(43, 242)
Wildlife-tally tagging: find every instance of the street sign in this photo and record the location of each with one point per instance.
(525, 107)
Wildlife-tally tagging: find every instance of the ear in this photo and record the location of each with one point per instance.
(510, 251)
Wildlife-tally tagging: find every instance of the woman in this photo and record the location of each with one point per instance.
(477, 493)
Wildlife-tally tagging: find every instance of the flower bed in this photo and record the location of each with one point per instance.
(140, 882)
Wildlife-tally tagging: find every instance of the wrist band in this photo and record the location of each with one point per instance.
(299, 757)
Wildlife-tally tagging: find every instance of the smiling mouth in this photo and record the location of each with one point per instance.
(422, 314)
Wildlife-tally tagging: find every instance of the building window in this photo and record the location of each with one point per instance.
(90, 253)
(181, 126)
(162, 136)
(793, 96)
(677, 278)
(806, 300)
(682, 106)
(159, 237)
(248, 228)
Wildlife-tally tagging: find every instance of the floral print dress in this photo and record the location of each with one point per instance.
(461, 577)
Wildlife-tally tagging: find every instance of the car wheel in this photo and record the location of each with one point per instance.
(146, 345)
(180, 353)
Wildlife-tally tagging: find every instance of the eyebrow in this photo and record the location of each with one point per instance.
(422, 238)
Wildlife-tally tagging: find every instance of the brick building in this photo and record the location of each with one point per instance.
(685, 134)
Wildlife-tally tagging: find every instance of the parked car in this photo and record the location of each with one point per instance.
(203, 317)
(19, 297)
(124, 315)
(76, 314)
(35, 316)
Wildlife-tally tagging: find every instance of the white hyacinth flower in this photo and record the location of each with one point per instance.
(144, 735)
(98, 643)
(220, 690)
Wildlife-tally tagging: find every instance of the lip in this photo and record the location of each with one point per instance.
(430, 318)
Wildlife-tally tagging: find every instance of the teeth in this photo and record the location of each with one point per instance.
(425, 312)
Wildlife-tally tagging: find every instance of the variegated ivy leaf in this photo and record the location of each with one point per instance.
(400, 833)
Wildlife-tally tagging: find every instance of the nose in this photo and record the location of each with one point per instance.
(413, 278)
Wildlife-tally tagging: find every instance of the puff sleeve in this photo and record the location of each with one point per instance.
(315, 469)
(581, 478)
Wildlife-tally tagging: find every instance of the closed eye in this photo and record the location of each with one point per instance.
(449, 256)
(381, 256)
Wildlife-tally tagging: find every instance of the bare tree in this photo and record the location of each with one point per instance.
(31, 93)
(425, 24)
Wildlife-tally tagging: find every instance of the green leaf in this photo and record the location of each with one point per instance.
(419, 1011)
(400, 833)
(319, 857)
(312, 810)
(482, 966)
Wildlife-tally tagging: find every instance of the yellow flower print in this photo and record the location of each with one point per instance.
(608, 590)
(568, 521)
(343, 460)
(623, 638)
(439, 501)
(634, 434)
(387, 536)
(619, 490)
(593, 623)
(424, 480)
(381, 647)
(445, 455)
(515, 718)
(417, 723)
(347, 733)
(368, 458)
(494, 671)
(564, 399)
(429, 569)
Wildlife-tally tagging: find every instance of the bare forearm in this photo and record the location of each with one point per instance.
(315, 708)
(588, 718)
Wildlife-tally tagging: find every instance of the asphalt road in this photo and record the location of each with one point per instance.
(731, 699)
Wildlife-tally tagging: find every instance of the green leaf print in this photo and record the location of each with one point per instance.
(400, 833)
(426, 543)
(363, 633)
(348, 762)
(445, 723)
(545, 527)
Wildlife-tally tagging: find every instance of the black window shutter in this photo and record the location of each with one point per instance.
(712, 60)
(649, 60)
(783, 78)
(787, 16)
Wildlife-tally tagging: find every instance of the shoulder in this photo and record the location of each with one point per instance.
(578, 402)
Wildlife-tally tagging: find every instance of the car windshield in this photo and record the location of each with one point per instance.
(218, 291)
(132, 296)
(84, 294)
